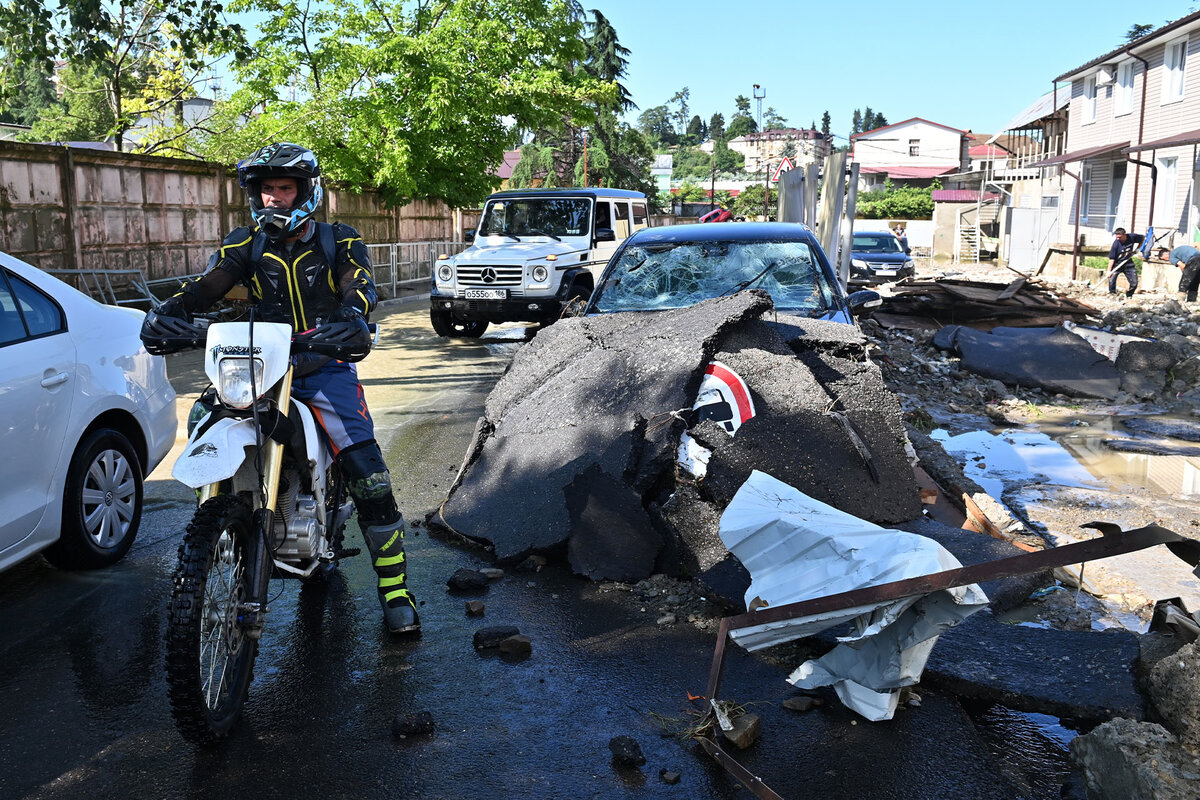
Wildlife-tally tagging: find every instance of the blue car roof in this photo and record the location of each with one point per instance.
(728, 231)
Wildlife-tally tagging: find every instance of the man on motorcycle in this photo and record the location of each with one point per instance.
(308, 274)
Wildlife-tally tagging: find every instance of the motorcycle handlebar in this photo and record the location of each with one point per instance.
(326, 340)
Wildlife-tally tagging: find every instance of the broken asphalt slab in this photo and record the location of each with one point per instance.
(1087, 676)
(580, 435)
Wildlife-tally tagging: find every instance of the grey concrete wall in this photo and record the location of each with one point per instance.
(71, 208)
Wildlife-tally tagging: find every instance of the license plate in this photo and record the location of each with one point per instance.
(486, 294)
(886, 272)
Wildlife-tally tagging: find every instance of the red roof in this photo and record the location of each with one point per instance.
(986, 150)
(505, 170)
(908, 172)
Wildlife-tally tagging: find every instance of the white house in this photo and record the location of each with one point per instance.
(914, 151)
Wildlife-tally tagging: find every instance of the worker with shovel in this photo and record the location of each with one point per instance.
(1120, 260)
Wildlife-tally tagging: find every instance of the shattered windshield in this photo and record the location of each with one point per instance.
(876, 243)
(536, 216)
(663, 275)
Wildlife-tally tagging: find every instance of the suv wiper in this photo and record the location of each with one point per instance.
(514, 237)
(746, 283)
(543, 233)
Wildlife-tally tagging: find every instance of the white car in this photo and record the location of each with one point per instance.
(85, 414)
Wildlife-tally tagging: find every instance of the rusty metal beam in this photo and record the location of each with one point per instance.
(1112, 542)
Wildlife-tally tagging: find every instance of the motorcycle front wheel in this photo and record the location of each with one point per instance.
(210, 657)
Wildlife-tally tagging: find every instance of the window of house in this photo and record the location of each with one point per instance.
(914, 147)
(1123, 101)
(1089, 99)
(1165, 213)
(1085, 192)
(1174, 62)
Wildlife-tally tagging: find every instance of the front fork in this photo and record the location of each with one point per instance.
(252, 612)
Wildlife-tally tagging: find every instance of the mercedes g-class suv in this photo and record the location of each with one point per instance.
(535, 252)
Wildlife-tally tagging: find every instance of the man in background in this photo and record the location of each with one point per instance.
(1120, 260)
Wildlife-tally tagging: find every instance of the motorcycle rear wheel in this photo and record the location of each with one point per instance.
(210, 657)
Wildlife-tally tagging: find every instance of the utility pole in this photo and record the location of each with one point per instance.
(712, 191)
(760, 94)
(585, 181)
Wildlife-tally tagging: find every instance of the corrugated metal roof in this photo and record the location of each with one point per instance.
(1170, 27)
(960, 196)
(1079, 155)
(1177, 140)
(1036, 110)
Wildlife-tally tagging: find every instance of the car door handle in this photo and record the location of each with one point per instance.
(55, 380)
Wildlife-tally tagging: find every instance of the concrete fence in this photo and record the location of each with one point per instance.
(89, 213)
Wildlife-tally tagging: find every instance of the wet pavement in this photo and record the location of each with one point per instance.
(83, 693)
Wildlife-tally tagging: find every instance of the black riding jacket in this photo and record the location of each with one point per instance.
(292, 284)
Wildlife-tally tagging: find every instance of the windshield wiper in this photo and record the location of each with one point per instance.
(543, 233)
(746, 283)
(512, 236)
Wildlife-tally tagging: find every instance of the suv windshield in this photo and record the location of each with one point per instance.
(663, 275)
(876, 243)
(536, 216)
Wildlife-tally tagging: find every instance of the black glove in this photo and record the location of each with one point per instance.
(173, 307)
(345, 314)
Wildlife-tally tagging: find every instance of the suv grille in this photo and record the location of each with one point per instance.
(490, 276)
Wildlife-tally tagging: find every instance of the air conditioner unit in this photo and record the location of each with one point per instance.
(1106, 75)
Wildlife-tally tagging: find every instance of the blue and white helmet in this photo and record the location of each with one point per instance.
(282, 160)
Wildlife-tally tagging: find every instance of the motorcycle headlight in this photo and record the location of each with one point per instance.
(233, 385)
(445, 273)
(858, 262)
(540, 274)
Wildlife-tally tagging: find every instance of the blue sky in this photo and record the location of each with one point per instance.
(967, 65)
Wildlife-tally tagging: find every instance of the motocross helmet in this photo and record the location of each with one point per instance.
(282, 160)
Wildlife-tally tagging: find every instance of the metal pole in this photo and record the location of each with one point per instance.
(585, 179)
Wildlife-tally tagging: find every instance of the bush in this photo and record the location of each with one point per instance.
(897, 202)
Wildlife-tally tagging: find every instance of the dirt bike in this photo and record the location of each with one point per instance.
(271, 502)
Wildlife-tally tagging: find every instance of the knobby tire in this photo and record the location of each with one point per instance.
(206, 682)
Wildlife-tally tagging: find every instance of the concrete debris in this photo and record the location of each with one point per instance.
(1170, 429)
(533, 563)
(467, 580)
(627, 751)
(746, 730)
(486, 638)
(932, 303)
(669, 777)
(1128, 760)
(802, 703)
(577, 452)
(492, 573)
(475, 608)
(1174, 687)
(414, 724)
(1082, 675)
(518, 645)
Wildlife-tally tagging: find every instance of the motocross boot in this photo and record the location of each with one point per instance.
(386, 543)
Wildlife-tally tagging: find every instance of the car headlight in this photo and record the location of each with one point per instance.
(445, 273)
(540, 274)
(909, 263)
(233, 384)
(858, 262)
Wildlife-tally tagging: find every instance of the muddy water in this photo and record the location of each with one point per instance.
(1058, 477)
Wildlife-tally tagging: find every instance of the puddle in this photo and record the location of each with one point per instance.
(1031, 750)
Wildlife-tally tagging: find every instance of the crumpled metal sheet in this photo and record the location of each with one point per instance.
(797, 548)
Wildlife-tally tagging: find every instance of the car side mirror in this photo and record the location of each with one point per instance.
(863, 301)
(606, 235)
(469, 237)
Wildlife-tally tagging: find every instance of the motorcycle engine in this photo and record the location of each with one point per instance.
(297, 530)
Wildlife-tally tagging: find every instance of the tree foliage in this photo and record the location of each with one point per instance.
(608, 59)
(657, 126)
(126, 44)
(897, 202)
(418, 99)
(33, 92)
(716, 126)
(826, 122)
(749, 202)
(1136, 32)
(82, 111)
(772, 121)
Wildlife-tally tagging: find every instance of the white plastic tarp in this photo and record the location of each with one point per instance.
(797, 548)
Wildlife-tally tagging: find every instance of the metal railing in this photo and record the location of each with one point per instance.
(399, 268)
(406, 267)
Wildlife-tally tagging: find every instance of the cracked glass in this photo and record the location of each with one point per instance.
(665, 275)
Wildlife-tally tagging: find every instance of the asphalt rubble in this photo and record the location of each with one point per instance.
(575, 460)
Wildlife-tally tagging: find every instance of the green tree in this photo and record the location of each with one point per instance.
(80, 114)
(825, 123)
(879, 122)
(34, 92)
(420, 100)
(122, 42)
(772, 121)
(856, 122)
(716, 126)
(680, 115)
(691, 193)
(789, 148)
(727, 161)
(607, 58)
(897, 202)
(1136, 32)
(749, 202)
(696, 130)
(655, 123)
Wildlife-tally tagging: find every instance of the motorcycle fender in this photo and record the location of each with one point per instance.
(314, 440)
(216, 454)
